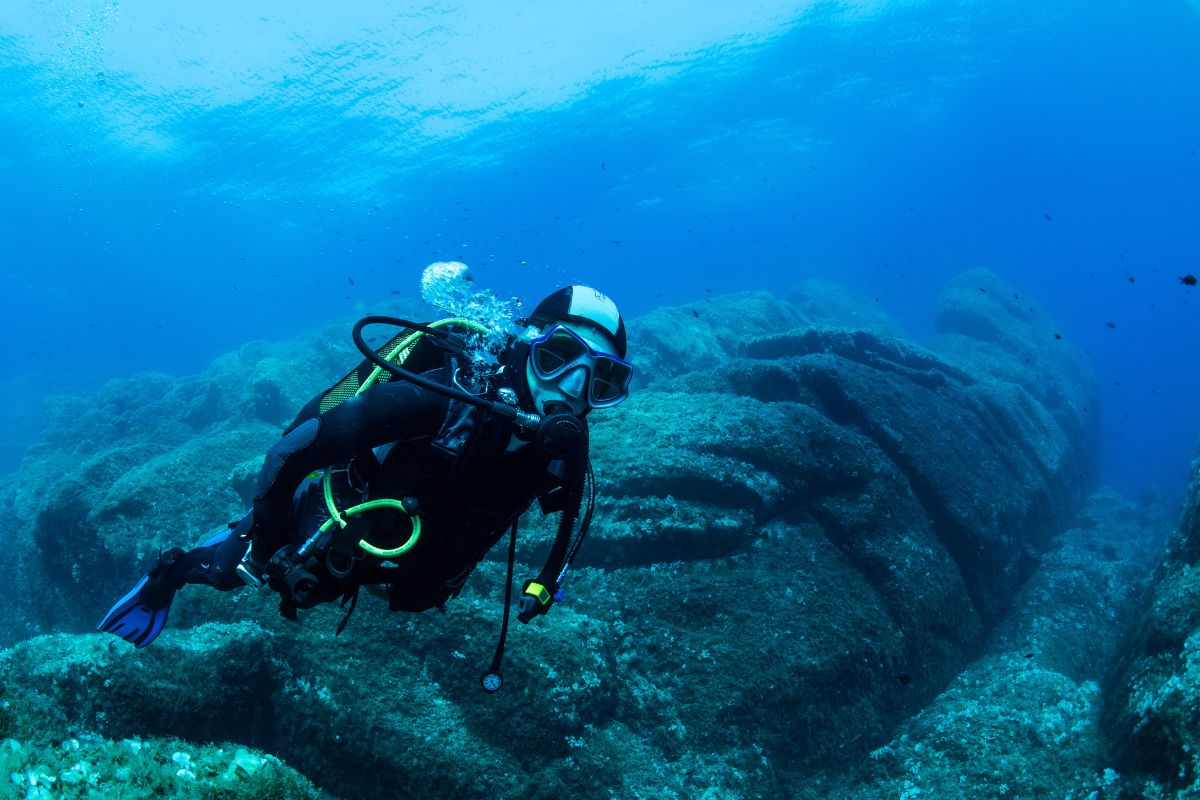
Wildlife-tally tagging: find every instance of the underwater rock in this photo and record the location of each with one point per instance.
(804, 533)
(1070, 616)
(993, 471)
(141, 769)
(694, 338)
(998, 334)
(1037, 690)
(394, 697)
(77, 715)
(1004, 728)
(671, 341)
(1152, 712)
(829, 304)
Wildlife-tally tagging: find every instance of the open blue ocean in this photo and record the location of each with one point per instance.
(974, 231)
(177, 181)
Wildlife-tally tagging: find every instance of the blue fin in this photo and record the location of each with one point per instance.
(133, 620)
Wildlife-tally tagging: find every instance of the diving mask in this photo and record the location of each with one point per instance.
(564, 358)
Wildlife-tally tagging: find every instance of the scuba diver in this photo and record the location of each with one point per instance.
(404, 474)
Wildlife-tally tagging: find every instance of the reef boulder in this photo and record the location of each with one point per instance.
(807, 529)
(1153, 709)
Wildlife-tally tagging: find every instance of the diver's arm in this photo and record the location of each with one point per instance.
(388, 412)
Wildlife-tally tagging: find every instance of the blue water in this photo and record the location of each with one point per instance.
(177, 181)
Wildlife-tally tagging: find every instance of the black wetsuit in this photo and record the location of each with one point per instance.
(398, 440)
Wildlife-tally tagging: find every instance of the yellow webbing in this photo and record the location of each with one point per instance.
(402, 349)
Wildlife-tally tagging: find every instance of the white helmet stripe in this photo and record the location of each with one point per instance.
(590, 304)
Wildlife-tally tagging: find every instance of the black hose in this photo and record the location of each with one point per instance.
(425, 383)
(577, 469)
(494, 669)
(587, 516)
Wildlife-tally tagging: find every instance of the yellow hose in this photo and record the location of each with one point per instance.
(336, 516)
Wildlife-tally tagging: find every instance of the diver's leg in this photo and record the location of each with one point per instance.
(215, 561)
(140, 615)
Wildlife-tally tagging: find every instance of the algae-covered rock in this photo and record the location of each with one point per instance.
(1072, 613)
(673, 341)
(1153, 710)
(1005, 728)
(89, 766)
(990, 329)
(1025, 720)
(392, 710)
(828, 304)
(133, 769)
(993, 471)
(805, 531)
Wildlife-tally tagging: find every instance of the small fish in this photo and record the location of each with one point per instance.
(1029, 655)
(351, 280)
(904, 678)
(1048, 217)
(395, 291)
(603, 168)
(616, 241)
(695, 313)
(1112, 325)
(1016, 296)
(983, 290)
(1132, 279)
(1188, 280)
(1057, 335)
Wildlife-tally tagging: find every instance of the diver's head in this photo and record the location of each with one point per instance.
(577, 352)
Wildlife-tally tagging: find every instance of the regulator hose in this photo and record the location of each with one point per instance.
(539, 594)
(524, 420)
